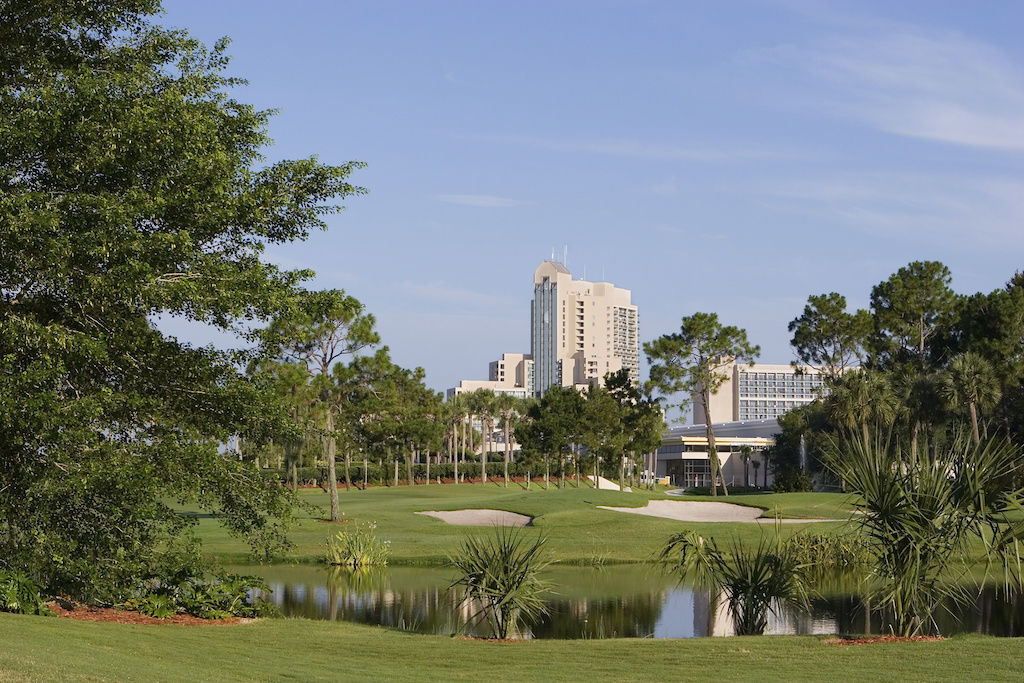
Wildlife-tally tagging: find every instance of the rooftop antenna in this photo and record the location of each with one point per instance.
(565, 256)
(552, 253)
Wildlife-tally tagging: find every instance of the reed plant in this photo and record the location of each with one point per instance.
(358, 547)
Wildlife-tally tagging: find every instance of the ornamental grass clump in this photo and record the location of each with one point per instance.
(500, 579)
(358, 548)
(923, 514)
(753, 582)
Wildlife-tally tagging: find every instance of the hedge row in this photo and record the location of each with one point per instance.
(376, 473)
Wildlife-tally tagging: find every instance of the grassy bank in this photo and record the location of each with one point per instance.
(577, 530)
(38, 648)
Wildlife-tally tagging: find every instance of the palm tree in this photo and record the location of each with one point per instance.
(860, 398)
(507, 406)
(971, 381)
(482, 404)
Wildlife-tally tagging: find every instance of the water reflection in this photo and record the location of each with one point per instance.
(613, 602)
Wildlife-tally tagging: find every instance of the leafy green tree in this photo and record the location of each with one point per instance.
(551, 426)
(693, 362)
(828, 337)
(642, 418)
(328, 326)
(603, 429)
(132, 188)
(912, 308)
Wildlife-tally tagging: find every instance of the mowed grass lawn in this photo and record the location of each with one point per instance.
(576, 529)
(40, 648)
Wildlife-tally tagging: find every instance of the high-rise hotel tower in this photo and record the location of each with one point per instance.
(580, 330)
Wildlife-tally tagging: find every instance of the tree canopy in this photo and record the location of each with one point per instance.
(132, 186)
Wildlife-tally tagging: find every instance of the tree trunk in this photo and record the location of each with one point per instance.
(408, 464)
(716, 464)
(348, 469)
(396, 471)
(561, 469)
(974, 423)
(913, 439)
(485, 438)
(622, 473)
(364, 473)
(462, 445)
(508, 449)
(428, 468)
(332, 475)
(746, 472)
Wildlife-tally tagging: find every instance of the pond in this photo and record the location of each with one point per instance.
(624, 601)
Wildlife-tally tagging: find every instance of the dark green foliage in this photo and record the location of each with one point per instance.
(225, 596)
(551, 426)
(826, 336)
(791, 480)
(912, 312)
(21, 595)
(500, 579)
(131, 188)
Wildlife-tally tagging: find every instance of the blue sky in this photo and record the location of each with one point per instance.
(730, 157)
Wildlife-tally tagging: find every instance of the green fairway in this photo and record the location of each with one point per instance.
(576, 529)
(39, 648)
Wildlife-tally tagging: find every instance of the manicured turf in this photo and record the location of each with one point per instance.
(39, 648)
(576, 529)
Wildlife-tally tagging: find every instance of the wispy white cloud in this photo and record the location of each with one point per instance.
(938, 86)
(486, 201)
(959, 211)
(665, 188)
(438, 292)
(642, 149)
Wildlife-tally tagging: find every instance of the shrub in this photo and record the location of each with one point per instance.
(226, 596)
(824, 551)
(358, 547)
(792, 479)
(753, 580)
(19, 594)
(500, 575)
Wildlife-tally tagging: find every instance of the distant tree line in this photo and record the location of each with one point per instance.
(920, 365)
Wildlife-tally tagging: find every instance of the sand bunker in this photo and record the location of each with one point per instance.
(696, 511)
(480, 517)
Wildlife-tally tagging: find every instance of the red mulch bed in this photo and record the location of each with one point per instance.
(116, 616)
(881, 639)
